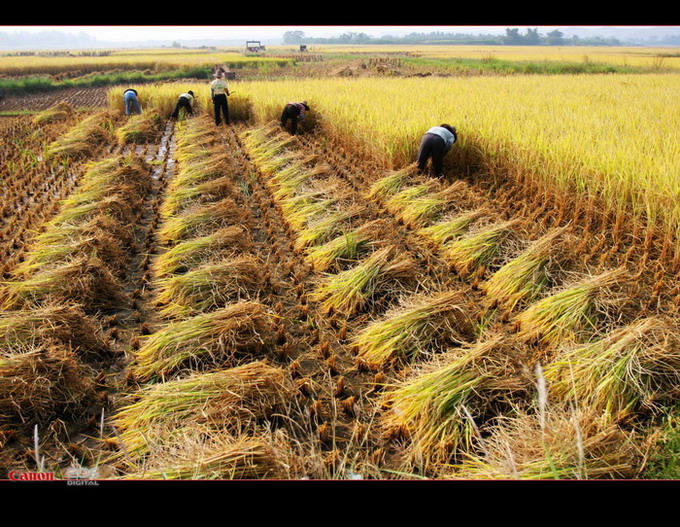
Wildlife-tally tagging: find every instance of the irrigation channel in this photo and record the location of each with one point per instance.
(292, 311)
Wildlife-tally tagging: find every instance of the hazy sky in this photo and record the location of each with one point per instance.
(137, 33)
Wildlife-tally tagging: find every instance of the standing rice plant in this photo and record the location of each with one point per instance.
(223, 243)
(634, 368)
(573, 444)
(421, 326)
(526, 277)
(217, 337)
(467, 255)
(571, 313)
(436, 407)
(209, 287)
(38, 384)
(231, 399)
(348, 292)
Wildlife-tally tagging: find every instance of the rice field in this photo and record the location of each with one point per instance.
(185, 301)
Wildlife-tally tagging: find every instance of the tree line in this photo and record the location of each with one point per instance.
(512, 37)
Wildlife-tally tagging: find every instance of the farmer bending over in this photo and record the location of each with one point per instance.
(131, 102)
(295, 111)
(436, 142)
(186, 101)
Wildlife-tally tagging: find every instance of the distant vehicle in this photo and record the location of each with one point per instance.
(254, 46)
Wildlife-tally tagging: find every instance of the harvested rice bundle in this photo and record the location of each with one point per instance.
(66, 324)
(210, 287)
(223, 243)
(197, 195)
(204, 169)
(572, 444)
(217, 337)
(287, 187)
(58, 112)
(634, 368)
(201, 221)
(118, 174)
(472, 253)
(300, 210)
(210, 456)
(106, 248)
(294, 170)
(421, 326)
(273, 164)
(435, 408)
(449, 229)
(392, 183)
(566, 315)
(233, 400)
(86, 281)
(84, 138)
(323, 229)
(527, 276)
(41, 383)
(140, 129)
(349, 291)
(262, 150)
(123, 209)
(347, 246)
(418, 205)
(63, 233)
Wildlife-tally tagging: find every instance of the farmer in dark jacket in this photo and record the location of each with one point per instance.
(295, 111)
(436, 142)
(186, 101)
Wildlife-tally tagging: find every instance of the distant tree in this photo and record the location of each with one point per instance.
(176, 44)
(512, 37)
(293, 37)
(555, 38)
(532, 38)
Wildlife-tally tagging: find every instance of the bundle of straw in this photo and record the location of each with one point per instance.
(232, 400)
(422, 325)
(349, 291)
(216, 337)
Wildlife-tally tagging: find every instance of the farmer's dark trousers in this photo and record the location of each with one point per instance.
(220, 104)
(290, 112)
(432, 146)
(182, 102)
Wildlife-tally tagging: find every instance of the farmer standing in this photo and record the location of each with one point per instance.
(219, 91)
(436, 142)
(295, 111)
(131, 102)
(186, 101)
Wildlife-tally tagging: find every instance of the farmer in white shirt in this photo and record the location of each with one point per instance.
(436, 142)
(219, 91)
(186, 101)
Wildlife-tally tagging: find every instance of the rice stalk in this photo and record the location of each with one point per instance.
(231, 399)
(566, 315)
(349, 291)
(633, 368)
(347, 246)
(449, 229)
(223, 243)
(216, 337)
(392, 183)
(417, 328)
(200, 221)
(209, 287)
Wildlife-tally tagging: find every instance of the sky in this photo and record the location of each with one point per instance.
(185, 32)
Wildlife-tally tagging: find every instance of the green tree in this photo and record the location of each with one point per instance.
(555, 38)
